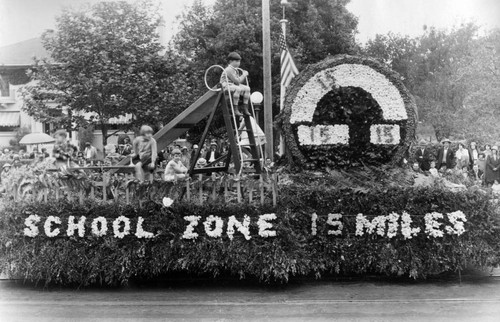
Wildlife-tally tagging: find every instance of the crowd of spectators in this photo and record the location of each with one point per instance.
(173, 162)
(473, 163)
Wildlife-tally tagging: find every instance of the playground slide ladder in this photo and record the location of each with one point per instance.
(255, 149)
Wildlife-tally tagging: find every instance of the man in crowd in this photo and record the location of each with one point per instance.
(90, 152)
(445, 156)
(473, 155)
(212, 154)
(185, 157)
(193, 153)
(423, 157)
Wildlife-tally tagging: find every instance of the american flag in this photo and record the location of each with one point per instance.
(288, 68)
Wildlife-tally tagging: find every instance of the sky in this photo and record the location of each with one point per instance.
(26, 19)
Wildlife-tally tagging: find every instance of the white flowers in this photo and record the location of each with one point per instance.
(99, 226)
(388, 134)
(31, 229)
(345, 75)
(189, 233)
(323, 134)
(392, 226)
(377, 224)
(406, 230)
(167, 202)
(243, 228)
(217, 231)
(52, 226)
(314, 225)
(264, 225)
(140, 232)
(436, 224)
(432, 225)
(334, 220)
(457, 219)
(117, 231)
(80, 226)
(49, 232)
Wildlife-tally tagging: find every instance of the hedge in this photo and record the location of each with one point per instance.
(294, 251)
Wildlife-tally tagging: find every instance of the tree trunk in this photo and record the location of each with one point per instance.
(104, 131)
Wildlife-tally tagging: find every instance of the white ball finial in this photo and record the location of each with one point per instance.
(257, 98)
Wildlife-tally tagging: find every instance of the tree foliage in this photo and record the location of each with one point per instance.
(317, 29)
(104, 64)
(452, 74)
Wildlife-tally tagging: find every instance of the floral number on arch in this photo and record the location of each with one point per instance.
(347, 111)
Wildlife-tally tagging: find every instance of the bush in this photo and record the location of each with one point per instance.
(295, 251)
(20, 133)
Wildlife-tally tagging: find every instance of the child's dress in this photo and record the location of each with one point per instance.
(260, 137)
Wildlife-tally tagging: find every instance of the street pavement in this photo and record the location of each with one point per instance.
(472, 300)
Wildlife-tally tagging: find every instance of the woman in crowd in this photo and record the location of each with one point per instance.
(492, 167)
(462, 156)
(487, 151)
(175, 170)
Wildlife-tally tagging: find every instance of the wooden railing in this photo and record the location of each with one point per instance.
(79, 184)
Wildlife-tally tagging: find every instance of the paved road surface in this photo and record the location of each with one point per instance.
(308, 301)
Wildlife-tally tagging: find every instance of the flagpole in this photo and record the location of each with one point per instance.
(268, 103)
(282, 88)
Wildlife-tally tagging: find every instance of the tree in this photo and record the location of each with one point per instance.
(480, 74)
(429, 65)
(317, 29)
(104, 63)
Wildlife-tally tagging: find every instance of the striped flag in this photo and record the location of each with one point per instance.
(288, 68)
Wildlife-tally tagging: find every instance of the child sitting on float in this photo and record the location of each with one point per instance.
(175, 170)
(145, 153)
(231, 82)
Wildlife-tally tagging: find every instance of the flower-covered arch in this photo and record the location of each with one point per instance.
(344, 104)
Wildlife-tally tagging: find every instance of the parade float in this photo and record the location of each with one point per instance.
(343, 205)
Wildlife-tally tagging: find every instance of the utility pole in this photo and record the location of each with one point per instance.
(268, 103)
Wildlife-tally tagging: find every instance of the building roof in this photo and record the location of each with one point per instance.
(22, 53)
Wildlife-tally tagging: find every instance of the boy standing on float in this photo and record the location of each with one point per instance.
(145, 153)
(232, 82)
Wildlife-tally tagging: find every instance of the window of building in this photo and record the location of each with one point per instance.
(8, 129)
(4, 86)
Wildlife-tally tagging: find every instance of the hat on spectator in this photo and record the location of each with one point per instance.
(494, 147)
(195, 146)
(184, 148)
(445, 140)
(7, 165)
(61, 133)
(473, 143)
(176, 151)
(422, 142)
(213, 143)
(201, 162)
(233, 56)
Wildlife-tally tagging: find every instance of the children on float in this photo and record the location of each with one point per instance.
(232, 82)
(144, 154)
(175, 169)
